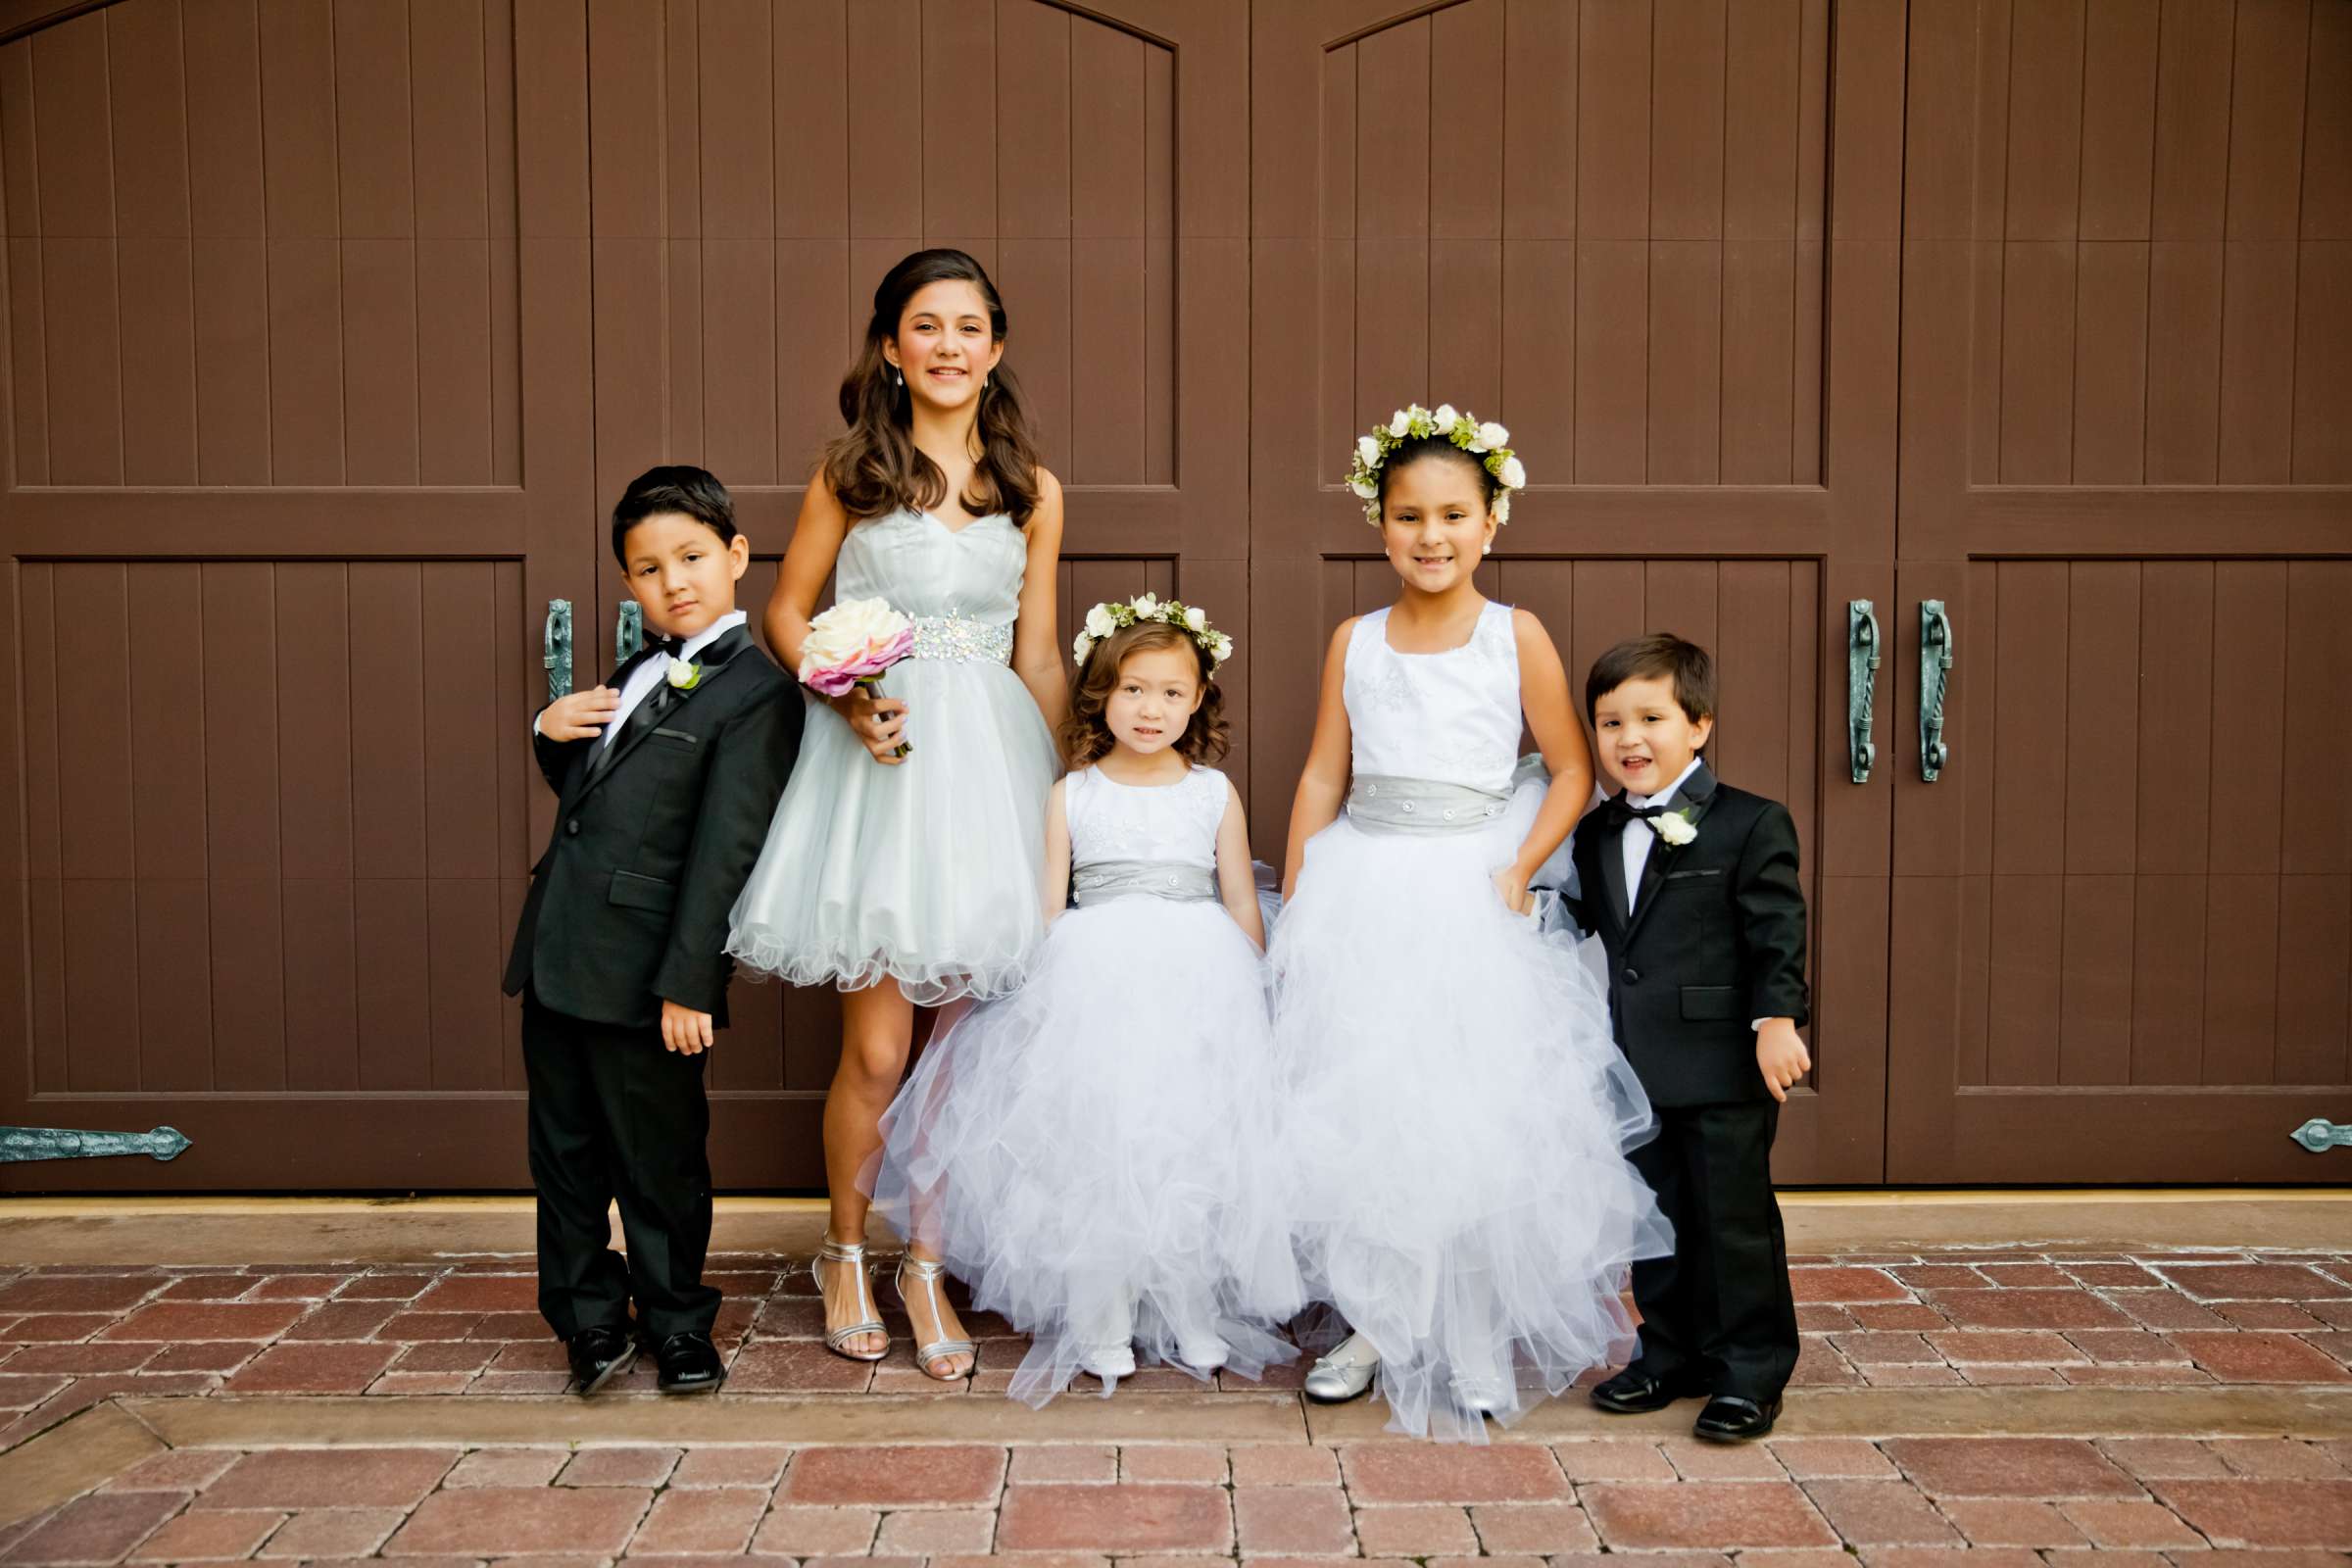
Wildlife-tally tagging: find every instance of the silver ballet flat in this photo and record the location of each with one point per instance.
(1345, 1374)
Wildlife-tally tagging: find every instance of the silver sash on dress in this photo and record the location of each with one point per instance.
(1100, 881)
(1382, 804)
(959, 639)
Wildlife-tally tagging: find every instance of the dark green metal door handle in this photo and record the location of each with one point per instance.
(557, 651)
(65, 1143)
(628, 633)
(1935, 679)
(2319, 1134)
(1861, 684)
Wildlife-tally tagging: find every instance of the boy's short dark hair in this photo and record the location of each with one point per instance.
(1660, 656)
(678, 487)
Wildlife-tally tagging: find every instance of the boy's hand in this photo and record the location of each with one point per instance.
(581, 716)
(684, 1030)
(1782, 1056)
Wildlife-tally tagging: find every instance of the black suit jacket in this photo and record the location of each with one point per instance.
(629, 903)
(1716, 940)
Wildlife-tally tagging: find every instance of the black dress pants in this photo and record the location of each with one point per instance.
(1718, 1314)
(614, 1116)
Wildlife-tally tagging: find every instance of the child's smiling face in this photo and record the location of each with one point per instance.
(944, 346)
(1159, 691)
(1646, 738)
(1433, 522)
(678, 571)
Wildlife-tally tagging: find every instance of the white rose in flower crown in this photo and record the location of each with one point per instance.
(1514, 473)
(1196, 618)
(1099, 621)
(1220, 648)
(1444, 418)
(1492, 435)
(1367, 450)
(1365, 489)
(1403, 424)
(1081, 646)
(1147, 607)
(848, 630)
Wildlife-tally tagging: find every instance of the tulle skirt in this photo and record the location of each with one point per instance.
(926, 872)
(1456, 1121)
(1094, 1154)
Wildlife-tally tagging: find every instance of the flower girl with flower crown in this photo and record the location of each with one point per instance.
(1456, 1113)
(1091, 1153)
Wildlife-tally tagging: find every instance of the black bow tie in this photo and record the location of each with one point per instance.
(666, 646)
(1617, 813)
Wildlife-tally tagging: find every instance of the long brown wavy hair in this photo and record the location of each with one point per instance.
(1085, 735)
(874, 466)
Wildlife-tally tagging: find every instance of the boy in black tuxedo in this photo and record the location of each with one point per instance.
(666, 781)
(1692, 887)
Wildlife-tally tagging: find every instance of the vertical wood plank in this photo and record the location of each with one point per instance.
(2167, 979)
(1466, 325)
(2037, 363)
(80, 291)
(373, 145)
(72, 147)
(449, 139)
(380, 404)
(2315, 932)
(103, 1016)
(1033, 121)
(2030, 656)
(1391, 167)
(387, 753)
(2323, 378)
(2241, 996)
(2328, 127)
(1466, 63)
(2045, 118)
(1540, 129)
(2184, 362)
(2118, 118)
(1036, 273)
(159, 360)
(2191, 174)
(242, 751)
(220, 74)
(1684, 436)
(1758, 726)
(1686, 113)
(2316, 812)
(2249, 735)
(2258, 348)
(885, 150)
(959, 117)
(1612, 360)
(2270, 69)
(2103, 722)
(812, 277)
(149, 121)
(299, 149)
(739, 359)
(1759, 360)
(2026, 986)
(458, 608)
(2175, 745)
(738, 137)
(165, 615)
(306, 361)
(1538, 403)
(1613, 120)
(2111, 338)
(2094, 1031)
(454, 369)
(812, 119)
(462, 962)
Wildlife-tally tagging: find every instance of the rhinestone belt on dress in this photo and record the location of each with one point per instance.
(958, 639)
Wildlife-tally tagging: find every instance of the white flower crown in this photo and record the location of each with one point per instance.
(1486, 442)
(1103, 619)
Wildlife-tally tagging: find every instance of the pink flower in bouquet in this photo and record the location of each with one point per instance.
(853, 643)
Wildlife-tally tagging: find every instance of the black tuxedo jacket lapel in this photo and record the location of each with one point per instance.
(1610, 852)
(1696, 794)
(663, 700)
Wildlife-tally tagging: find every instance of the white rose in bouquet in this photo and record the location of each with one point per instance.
(850, 629)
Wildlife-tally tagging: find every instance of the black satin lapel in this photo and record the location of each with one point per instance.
(666, 699)
(1610, 852)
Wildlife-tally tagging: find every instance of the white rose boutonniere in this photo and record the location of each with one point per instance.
(684, 676)
(1675, 827)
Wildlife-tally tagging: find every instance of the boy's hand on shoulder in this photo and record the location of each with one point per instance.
(580, 716)
(684, 1030)
(1782, 1056)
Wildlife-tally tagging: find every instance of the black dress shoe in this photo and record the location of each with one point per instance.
(598, 1355)
(1634, 1392)
(1729, 1418)
(688, 1363)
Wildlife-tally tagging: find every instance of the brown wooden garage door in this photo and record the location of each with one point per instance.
(332, 326)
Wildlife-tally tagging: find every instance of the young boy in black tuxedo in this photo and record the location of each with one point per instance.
(665, 780)
(1692, 887)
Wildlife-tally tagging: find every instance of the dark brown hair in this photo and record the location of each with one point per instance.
(1085, 735)
(1660, 656)
(1418, 449)
(874, 466)
(678, 487)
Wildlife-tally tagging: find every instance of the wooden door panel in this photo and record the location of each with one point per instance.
(1642, 295)
(788, 160)
(276, 578)
(2122, 913)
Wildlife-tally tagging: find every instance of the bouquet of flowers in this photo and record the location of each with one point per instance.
(853, 644)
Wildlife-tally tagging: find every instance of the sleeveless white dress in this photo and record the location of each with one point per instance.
(926, 872)
(1095, 1153)
(1457, 1110)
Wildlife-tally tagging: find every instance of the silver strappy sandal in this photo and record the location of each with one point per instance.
(930, 1273)
(837, 1341)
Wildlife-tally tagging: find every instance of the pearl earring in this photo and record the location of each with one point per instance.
(1486, 548)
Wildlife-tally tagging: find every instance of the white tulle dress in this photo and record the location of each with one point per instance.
(1455, 1110)
(926, 872)
(1095, 1153)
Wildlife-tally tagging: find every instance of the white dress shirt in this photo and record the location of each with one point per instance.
(1638, 836)
(652, 672)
